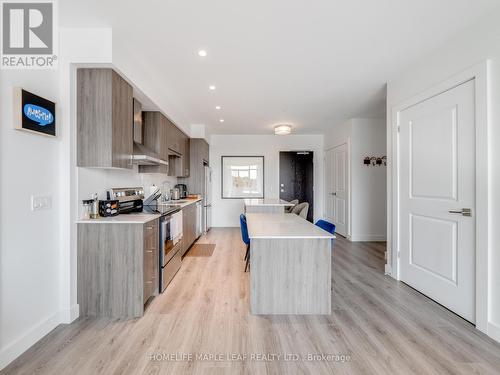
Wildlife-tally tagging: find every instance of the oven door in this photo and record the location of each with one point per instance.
(167, 246)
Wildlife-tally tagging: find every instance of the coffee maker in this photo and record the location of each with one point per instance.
(182, 190)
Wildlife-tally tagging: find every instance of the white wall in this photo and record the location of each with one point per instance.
(473, 45)
(29, 241)
(338, 135)
(368, 183)
(95, 180)
(368, 189)
(225, 212)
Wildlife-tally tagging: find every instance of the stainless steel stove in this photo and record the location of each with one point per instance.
(131, 200)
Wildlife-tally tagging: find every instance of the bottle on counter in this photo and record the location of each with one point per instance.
(94, 211)
(86, 208)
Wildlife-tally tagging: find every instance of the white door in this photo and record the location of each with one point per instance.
(437, 188)
(336, 188)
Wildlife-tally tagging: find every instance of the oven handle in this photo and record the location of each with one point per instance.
(164, 221)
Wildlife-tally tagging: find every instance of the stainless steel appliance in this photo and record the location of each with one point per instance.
(175, 194)
(207, 199)
(182, 190)
(129, 199)
(170, 234)
(170, 247)
(141, 154)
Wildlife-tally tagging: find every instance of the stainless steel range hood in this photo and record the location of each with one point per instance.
(141, 154)
(144, 156)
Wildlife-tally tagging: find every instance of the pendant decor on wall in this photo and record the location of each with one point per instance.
(375, 160)
(33, 113)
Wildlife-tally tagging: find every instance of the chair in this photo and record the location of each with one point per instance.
(326, 225)
(301, 209)
(290, 208)
(245, 238)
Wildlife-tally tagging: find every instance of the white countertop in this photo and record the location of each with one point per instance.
(282, 225)
(138, 218)
(185, 202)
(122, 219)
(267, 202)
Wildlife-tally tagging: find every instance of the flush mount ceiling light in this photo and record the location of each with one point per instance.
(282, 129)
(202, 53)
(211, 87)
(221, 120)
(217, 107)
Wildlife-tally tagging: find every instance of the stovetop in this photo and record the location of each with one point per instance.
(161, 208)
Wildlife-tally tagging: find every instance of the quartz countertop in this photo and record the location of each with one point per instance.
(136, 218)
(267, 202)
(185, 202)
(282, 225)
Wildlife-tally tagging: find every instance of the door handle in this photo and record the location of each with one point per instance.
(334, 193)
(463, 211)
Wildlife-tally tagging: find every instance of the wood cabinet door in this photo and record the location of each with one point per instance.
(151, 259)
(185, 230)
(188, 226)
(173, 137)
(104, 119)
(122, 114)
(185, 157)
(205, 151)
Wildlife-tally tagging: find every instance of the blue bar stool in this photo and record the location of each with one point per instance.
(326, 225)
(245, 238)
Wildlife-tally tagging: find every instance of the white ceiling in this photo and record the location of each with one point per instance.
(309, 63)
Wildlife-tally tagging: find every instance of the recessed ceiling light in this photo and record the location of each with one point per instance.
(221, 120)
(217, 107)
(202, 53)
(211, 87)
(282, 129)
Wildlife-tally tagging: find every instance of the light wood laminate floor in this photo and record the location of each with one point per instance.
(384, 327)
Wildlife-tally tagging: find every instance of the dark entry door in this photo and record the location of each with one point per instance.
(296, 178)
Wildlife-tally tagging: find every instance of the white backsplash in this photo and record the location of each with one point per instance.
(96, 180)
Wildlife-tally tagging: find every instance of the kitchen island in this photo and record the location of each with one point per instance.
(267, 205)
(290, 266)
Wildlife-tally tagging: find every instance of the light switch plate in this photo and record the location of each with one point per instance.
(41, 202)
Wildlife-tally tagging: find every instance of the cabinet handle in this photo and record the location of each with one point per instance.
(148, 282)
(149, 251)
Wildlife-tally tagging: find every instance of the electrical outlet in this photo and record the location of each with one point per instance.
(41, 202)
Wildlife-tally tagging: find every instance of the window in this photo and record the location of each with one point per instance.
(242, 176)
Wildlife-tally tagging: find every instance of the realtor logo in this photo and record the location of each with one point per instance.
(28, 31)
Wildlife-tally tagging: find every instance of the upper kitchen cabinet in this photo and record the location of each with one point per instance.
(178, 151)
(104, 119)
(204, 151)
(186, 157)
(198, 159)
(174, 139)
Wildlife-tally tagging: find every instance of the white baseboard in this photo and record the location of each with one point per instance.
(368, 238)
(494, 331)
(19, 346)
(388, 269)
(69, 315)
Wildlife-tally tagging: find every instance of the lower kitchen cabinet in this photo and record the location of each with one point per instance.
(188, 227)
(151, 260)
(117, 268)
